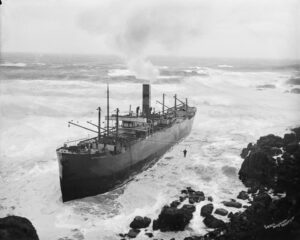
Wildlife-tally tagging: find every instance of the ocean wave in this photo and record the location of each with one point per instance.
(120, 73)
(294, 81)
(225, 66)
(9, 64)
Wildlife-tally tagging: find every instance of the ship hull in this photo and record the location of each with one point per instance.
(83, 175)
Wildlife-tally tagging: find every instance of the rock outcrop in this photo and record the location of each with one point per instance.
(221, 211)
(140, 222)
(233, 204)
(207, 210)
(174, 219)
(271, 166)
(211, 222)
(15, 227)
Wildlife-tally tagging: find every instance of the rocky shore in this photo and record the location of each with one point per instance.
(270, 171)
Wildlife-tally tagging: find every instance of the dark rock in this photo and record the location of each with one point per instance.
(263, 198)
(140, 222)
(182, 198)
(269, 141)
(289, 138)
(133, 233)
(150, 235)
(297, 132)
(197, 196)
(221, 211)
(292, 147)
(174, 219)
(190, 190)
(246, 151)
(253, 189)
(194, 238)
(257, 167)
(184, 191)
(207, 210)
(175, 203)
(232, 204)
(210, 199)
(15, 227)
(212, 222)
(275, 151)
(243, 195)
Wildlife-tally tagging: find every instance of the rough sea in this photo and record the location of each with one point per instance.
(237, 101)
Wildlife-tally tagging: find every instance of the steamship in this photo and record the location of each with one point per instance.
(134, 141)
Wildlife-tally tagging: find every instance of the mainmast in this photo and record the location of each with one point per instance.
(175, 104)
(99, 123)
(186, 106)
(163, 105)
(107, 124)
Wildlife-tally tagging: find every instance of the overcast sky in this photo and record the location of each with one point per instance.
(202, 28)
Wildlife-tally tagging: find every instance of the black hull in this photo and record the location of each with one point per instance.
(91, 186)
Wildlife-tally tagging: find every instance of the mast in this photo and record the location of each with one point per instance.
(186, 106)
(99, 123)
(163, 106)
(107, 124)
(117, 124)
(175, 105)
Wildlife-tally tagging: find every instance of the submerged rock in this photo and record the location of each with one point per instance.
(295, 90)
(133, 233)
(174, 219)
(149, 234)
(207, 210)
(140, 222)
(15, 227)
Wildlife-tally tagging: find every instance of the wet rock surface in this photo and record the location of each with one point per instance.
(221, 211)
(243, 195)
(15, 227)
(140, 222)
(173, 218)
(207, 210)
(133, 233)
(233, 204)
(212, 222)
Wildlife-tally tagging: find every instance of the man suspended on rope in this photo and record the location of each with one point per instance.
(184, 152)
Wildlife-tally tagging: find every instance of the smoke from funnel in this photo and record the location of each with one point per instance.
(134, 29)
